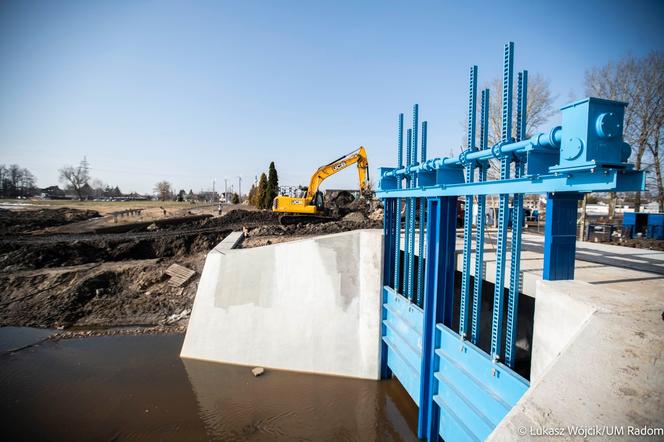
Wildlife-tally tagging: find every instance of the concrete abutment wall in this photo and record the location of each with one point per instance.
(311, 305)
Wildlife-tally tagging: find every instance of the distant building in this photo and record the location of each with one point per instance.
(53, 193)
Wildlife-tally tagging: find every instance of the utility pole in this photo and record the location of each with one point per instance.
(213, 192)
(239, 187)
(226, 190)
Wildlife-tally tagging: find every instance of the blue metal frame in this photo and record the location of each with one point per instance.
(463, 392)
(468, 208)
(481, 220)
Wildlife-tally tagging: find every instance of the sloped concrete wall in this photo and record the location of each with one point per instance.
(311, 305)
(597, 363)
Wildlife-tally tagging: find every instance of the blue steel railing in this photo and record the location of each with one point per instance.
(463, 391)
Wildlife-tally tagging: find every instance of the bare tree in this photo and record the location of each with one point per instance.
(163, 189)
(16, 181)
(76, 177)
(639, 82)
(538, 111)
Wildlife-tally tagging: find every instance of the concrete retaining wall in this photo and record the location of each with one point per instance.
(597, 363)
(311, 305)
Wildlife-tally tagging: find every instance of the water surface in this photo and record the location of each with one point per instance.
(137, 388)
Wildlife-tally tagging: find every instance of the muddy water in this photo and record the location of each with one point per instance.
(137, 388)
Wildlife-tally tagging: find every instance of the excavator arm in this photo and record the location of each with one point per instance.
(358, 157)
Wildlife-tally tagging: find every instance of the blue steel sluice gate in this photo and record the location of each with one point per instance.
(432, 345)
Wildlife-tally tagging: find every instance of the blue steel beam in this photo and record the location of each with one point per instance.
(391, 228)
(438, 304)
(397, 239)
(585, 181)
(560, 235)
(420, 262)
(481, 209)
(501, 247)
(468, 209)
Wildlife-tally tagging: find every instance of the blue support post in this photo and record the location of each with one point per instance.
(411, 235)
(517, 228)
(560, 235)
(501, 248)
(438, 304)
(397, 239)
(391, 227)
(481, 215)
(468, 209)
(406, 230)
(420, 262)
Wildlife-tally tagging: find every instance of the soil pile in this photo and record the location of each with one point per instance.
(16, 222)
(99, 280)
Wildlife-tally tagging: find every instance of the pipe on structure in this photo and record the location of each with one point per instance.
(541, 141)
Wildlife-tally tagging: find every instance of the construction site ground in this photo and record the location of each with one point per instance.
(91, 268)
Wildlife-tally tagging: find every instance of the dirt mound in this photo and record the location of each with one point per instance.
(266, 235)
(26, 221)
(130, 293)
(339, 199)
(16, 255)
(239, 218)
(641, 243)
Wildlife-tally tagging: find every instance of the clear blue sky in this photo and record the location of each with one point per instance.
(190, 91)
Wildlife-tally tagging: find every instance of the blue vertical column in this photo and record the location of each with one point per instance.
(391, 227)
(438, 303)
(411, 235)
(397, 239)
(389, 221)
(420, 256)
(406, 229)
(481, 219)
(468, 210)
(517, 227)
(560, 235)
(498, 294)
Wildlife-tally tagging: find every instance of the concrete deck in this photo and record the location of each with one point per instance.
(603, 265)
(597, 364)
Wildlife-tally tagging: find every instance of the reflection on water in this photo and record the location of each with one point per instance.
(137, 388)
(13, 338)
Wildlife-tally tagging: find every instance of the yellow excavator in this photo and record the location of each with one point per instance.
(311, 205)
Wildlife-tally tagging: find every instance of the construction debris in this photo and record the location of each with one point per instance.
(179, 275)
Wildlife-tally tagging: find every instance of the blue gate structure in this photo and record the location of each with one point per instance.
(462, 391)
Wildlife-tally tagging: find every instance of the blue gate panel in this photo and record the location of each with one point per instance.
(403, 336)
(474, 393)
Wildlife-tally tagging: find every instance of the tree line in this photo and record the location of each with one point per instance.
(266, 189)
(16, 181)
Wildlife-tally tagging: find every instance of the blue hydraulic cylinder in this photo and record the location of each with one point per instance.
(468, 210)
(397, 239)
(420, 262)
(501, 247)
(560, 235)
(481, 216)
